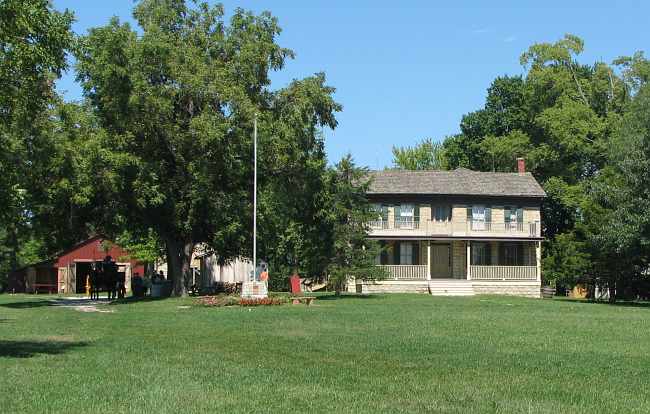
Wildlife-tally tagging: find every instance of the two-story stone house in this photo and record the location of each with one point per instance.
(457, 232)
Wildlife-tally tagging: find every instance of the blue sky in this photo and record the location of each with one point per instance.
(409, 72)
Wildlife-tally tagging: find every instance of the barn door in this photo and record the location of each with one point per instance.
(62, 279)
(72, 278)
(127, 277)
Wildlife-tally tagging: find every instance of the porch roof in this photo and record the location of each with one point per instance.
(457, 182)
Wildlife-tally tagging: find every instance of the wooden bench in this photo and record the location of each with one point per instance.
(303, 299)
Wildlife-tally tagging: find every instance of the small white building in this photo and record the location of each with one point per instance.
(211, 271)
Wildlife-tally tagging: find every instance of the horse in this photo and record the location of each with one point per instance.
(111, 277)
(95, 282)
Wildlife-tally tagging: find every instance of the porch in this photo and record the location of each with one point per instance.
(426, 260)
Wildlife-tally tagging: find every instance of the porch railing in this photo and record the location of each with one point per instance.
(406, 272)
(529, 228)
(503, 272)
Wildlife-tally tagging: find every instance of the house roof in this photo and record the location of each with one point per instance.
(457, 182)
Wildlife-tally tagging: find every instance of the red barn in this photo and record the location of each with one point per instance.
(67, 272)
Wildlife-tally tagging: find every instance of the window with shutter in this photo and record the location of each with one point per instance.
(442, 213)
(406, 216)
(406, 253)
(478, 217)
(480, 254)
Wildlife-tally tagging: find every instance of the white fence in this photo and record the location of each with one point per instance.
(406, 272)
(503, 272)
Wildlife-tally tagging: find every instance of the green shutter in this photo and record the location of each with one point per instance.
(383, 257)
(469, 213)
(396, 253)
(416, 253)
(488, 254)
(488, 214)
(506, 214)
(502, 254)
(448, 208)
(397, 210)
(520, 215)
(384, 212)
(416, 212)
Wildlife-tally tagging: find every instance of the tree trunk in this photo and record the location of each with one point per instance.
(13, 244)
(179, 257)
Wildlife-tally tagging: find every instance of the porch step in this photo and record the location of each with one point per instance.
(451, 287)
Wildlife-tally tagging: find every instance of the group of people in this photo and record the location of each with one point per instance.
(104, 275)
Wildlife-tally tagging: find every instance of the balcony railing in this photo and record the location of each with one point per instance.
(418, 226)
(503, 272)
(409, 223)
(406, 272)
(512, 228)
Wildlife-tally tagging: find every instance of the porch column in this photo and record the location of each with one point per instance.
(428, 259)
(538, 259)
(469, 260)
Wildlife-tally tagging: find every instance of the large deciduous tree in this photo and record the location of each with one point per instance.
(426, 155)
(34, 40)
(177, 101)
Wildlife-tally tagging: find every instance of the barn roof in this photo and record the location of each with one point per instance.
(457, 182)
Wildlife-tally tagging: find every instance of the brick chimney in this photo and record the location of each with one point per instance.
(521, 165)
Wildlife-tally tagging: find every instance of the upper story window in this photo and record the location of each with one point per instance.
(441, 213)
(513, 217)
(407, 215)
(479, 217)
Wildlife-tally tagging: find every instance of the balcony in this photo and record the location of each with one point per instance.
(508, 229)
(416, 226)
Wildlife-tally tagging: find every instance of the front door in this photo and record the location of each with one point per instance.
(440, 261)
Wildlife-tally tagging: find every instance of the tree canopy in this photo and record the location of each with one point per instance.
(177, 103)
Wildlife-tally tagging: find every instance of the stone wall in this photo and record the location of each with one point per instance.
(514, 288)
(390, 286)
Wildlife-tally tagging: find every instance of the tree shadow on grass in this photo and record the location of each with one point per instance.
(28, 349)
(27, 304)
(347, 296)
(133, 299)
(631, 304)
(74, 302)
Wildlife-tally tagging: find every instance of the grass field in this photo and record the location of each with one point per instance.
(394, 353)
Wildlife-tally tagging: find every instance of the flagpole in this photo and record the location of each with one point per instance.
(255, 197)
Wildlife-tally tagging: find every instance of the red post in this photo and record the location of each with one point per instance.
(295, 284)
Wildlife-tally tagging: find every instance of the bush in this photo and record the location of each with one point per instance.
(218, 301)
(277, 300)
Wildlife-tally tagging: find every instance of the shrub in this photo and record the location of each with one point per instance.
(218, 301)
(262, 301)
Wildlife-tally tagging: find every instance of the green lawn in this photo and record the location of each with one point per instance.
(392, 353)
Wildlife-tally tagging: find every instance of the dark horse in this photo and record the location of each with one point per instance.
(96, 281)
(104, 276)
(111, 277)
